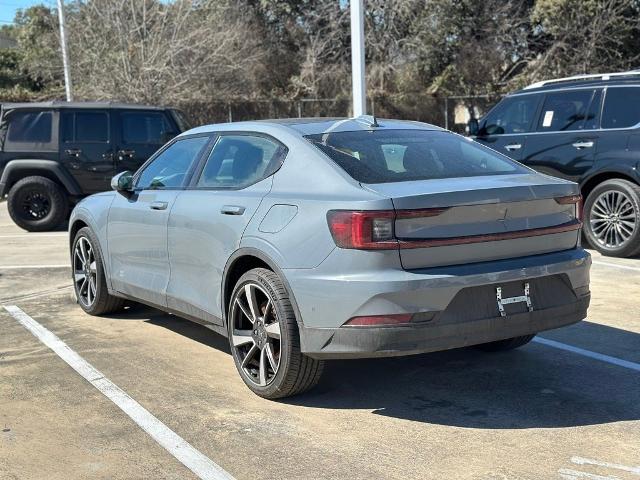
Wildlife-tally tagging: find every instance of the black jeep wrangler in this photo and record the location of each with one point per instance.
(585, 129)
(52, 154)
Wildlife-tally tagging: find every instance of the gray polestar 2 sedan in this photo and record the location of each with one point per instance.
(310, 239)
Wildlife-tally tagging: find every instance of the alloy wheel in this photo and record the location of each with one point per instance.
(612, 219)
(85, 274)
(36, 205)
(256, 334)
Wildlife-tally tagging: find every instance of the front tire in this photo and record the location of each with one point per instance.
(37, 204)
(264, 338)
(612, 218)
(89, 280)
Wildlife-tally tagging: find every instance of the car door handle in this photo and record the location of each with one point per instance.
(232, 210)
(73, 152)
(513, 146)
(159, 205)
(581, 145)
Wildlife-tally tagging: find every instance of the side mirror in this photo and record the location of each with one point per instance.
(472, 126)
(122, 182)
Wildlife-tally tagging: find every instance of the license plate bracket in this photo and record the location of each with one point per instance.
(502, 301)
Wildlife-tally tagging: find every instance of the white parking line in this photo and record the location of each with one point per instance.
(191, 458)
(617, 466)
(29, 267)
(587, 353)
(615, 265)
(569, 474)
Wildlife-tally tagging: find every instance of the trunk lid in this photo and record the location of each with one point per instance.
(481, 218)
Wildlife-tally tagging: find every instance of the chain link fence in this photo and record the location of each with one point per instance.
(451, 112)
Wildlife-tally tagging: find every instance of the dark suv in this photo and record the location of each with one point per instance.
(586, 129)
(54, 153)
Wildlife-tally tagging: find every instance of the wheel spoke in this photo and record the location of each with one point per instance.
(83, 250)
(250, 294)
(273, 330)
(78, 276)
(272, 361)
(247, 358)
(241, 337)
(263, 367)
(93, 267)
(267, 309)
(244, 310)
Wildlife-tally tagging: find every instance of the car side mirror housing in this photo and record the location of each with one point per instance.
(472, 126)
(122, 182)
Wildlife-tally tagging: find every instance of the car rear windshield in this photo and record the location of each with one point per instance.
(382, 156)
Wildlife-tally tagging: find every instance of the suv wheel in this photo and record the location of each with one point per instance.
(612, 218)
(264, 338)
(89, 280)
(37, 204)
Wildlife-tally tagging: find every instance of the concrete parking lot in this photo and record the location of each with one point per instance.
(566, 409)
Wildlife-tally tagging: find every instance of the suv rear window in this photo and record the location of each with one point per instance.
(30, 127)
(382, 156)
(621, 107)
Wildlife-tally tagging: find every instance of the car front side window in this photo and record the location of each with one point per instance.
(240, 160)
(512, 115)
(171, 167)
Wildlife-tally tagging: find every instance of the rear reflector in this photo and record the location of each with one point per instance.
(379, 320)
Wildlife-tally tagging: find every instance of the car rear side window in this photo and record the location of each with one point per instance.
(621, 107)
(145, 127)
(381, 156)
(237, 161)
(171, 167)
(29, 130)
(565, 111)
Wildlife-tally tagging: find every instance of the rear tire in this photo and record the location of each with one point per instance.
(89, 280)
(264, 338)
(612, 218)
(507, 344)
(37, 204)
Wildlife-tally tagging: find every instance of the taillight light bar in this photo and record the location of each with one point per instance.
(371, 229)
(572, 199)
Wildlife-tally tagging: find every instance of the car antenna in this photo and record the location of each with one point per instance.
(370, 120)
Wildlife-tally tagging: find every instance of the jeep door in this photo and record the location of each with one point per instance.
(85, 147)
(208, 219)
(137, 224)
(566, 133)
(506, 126)
(139, 134)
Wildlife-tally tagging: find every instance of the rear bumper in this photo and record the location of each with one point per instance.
(353, 342)
(455, 306)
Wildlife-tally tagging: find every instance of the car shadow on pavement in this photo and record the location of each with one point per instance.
(534, 387)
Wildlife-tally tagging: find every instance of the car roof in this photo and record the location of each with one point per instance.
(319, 125)
(569, 85)
(78, 105)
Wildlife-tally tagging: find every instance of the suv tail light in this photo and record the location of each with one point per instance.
(371, 229)
(379, 320)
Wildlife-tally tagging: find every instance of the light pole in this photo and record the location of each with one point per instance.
(359, 86)
(65, 56)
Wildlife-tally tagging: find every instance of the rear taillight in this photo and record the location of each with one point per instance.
(367, 230)
(572, 199)
(379, 320)
(371, 229)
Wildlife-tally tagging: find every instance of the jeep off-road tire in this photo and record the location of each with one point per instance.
(37, 204)
(264, 338)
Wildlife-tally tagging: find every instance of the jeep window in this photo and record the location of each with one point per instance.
(382, 156)
(171, 166)
(511, 115)
(146, 128)
(565, 111)
(29, 130)
(621, 107)
(85, 127)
